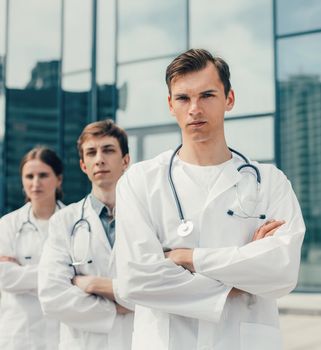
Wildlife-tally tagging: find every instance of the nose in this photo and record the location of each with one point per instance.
(99, 158)
(35, 181)
(194, 107)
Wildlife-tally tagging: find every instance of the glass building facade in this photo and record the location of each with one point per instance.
(69, 62)
(298, 119)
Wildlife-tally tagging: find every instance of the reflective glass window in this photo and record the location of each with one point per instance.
(145, 99)
(158, 143)
(32, 85)
(299, 89)
(132, 144)
(76, 104)
(2, 97)
(253, 137)
(2, 30)
(241, 32)
(28, 44)
(299, 55)
(77, 35)
(298, 15)
(149, 28)
(106, 94)
(2, 58)
(105, 42)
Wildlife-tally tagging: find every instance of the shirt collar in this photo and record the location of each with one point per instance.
(98, 206)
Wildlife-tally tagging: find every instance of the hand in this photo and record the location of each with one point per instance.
(182, 257)
(101, 286)
(235, 292)
(84, 283)
(121, 310)
(268, 229)
(9, 259)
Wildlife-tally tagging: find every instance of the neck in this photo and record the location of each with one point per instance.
(205, 153)
(107, 196)
(43, 210)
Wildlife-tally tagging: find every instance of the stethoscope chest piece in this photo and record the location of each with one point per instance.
(185, 228)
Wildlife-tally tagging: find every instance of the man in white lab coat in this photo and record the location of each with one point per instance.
(205, 252)
(77, 274)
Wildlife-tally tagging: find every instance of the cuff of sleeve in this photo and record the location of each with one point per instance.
(197, 260)
(120, 301)
(221, 305)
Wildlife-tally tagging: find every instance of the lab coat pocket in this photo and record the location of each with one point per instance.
(255, 336)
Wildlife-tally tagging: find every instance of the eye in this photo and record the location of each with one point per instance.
(90, 153)
(29, 176)
(181, 98)
(207, 95)
(43, 175)
(108, 149)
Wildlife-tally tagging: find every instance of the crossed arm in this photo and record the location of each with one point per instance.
(100, 286)
(184, 257)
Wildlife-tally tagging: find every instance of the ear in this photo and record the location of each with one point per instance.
(59, 180)
(126, 161)
(83, 166)
(170, 105)
(230, 100)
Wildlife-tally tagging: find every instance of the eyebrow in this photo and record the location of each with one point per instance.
(109, 145)
(201, 93)
(208, 91)
(41, 173)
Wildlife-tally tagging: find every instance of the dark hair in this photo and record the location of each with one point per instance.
(47, 156)
(103, 128)
(195, 60)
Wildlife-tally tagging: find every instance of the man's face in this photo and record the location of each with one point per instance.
(199, 103)
(103, 161)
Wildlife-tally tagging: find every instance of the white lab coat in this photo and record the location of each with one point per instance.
(88, 321)
(176, 309)
(22, 323)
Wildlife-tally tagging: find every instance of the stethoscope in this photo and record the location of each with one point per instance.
(82, 223)
(186, 226)
(31, 227)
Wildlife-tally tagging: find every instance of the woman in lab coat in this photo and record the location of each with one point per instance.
(22, 235)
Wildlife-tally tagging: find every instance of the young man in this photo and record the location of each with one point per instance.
(77, 271)
(207, 239)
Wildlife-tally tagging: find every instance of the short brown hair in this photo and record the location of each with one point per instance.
(103, 128)
(195, 60)
(47, 156)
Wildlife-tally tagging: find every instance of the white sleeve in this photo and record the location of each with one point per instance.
(59, 298)
(146, 277)
(268, 267)
(14, 278)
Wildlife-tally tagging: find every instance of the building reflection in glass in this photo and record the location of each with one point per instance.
(32, 118)
(300, 157)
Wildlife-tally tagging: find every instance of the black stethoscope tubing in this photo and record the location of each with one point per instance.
(173, 189)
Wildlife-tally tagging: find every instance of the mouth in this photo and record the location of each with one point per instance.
(197, 124)
(101, 172)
